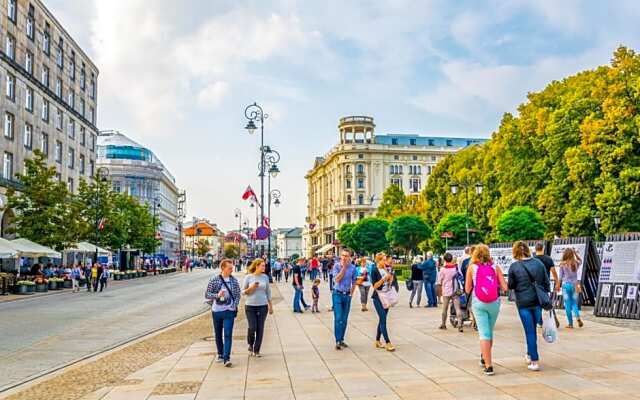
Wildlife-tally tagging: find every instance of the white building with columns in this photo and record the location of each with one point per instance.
(346, 184)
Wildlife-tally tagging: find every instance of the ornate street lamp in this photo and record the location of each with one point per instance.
(465, 185)
(102, 174)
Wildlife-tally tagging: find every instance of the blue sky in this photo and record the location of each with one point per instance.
(177, 76)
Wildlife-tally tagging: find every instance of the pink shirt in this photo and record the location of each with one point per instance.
(445, 278)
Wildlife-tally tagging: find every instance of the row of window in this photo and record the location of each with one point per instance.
(9, 128)
(59, 92)
(359, 169)
(8, 163)
(359, 183)
(415, 184)
(360, 199)
(430, 142)
(30, 31)
(348, 217)
(413, 169)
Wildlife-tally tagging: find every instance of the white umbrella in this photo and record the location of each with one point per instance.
(27, 248)
(7, 250)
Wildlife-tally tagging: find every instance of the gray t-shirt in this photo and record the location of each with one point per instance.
(262, 295)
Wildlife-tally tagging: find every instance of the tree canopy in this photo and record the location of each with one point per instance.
(369, 235)
(520, 223)
(392, 203)
(345, 236)
(407, 231)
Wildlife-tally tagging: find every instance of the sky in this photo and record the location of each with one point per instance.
(176, 76)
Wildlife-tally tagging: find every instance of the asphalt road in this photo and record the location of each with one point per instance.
(39, 334)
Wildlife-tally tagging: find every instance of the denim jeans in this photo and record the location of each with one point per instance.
(417, 289)
(313, 274)
(341, 308)
(570, 298)
(382, 320)
(223, 329)
(364, 294)
(530, 318)
(297, 296)
(430, 290)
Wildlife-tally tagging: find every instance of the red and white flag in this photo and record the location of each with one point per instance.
(248, 194)
(266, 222)
(101, 223)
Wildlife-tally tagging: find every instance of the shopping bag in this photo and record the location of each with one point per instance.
(409, 284)
(388, 298)
(549, 330)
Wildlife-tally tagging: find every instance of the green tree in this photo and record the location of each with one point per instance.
(520, 223)
(231, 250)
(456, 224)
(369, 235)
(407, 231)
(202, 247)
(392, 204)
(43, 206)
(345, 236)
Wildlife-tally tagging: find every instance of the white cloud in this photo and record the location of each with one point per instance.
(212, 94)
(467, 28)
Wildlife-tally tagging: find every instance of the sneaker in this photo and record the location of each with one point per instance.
(570, 326)
(219, 359)
(343, 344)
(488, 371)
(389, 347)
(460, 328)
(533, 367)
(228, 364)
(410, 305)
(442, 327)
(338, 347)
(258, 355)
(378, 344)
(580, 323)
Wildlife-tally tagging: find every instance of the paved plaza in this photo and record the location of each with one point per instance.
(299, 361)
(43, 332)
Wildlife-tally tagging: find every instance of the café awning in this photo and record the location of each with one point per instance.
(7, 250)
(86, 247)
(27, 248)
(325, 248)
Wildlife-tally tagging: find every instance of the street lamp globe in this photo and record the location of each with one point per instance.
(479, 188)
(251, 127)
(276, 202)
(274, 170)
(454, 188)
(596, 220)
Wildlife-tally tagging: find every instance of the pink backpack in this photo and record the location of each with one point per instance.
(486, 285)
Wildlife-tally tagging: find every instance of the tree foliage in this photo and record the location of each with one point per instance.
(456, 223)
(345, 236)
(231, 250)
(369, 235)
(407, 231)
(520, 223)
(202, 248)
(392, 204)
(572, 151)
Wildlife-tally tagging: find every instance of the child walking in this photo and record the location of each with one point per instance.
(315, 295)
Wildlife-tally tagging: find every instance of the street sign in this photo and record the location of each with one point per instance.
(446, 235)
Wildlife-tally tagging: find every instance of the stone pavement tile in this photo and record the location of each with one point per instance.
(474, 389)
(172, 397)
(98, 394)
(269, 393)
(535, 391)
(124, 393)
(317, 388)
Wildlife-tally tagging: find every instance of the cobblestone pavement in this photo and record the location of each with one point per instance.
(38, 334)
(599, 361)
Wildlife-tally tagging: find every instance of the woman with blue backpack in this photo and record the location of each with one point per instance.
(449, 280)
(483, 282)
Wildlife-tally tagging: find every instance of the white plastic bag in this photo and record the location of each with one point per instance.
(549, 330)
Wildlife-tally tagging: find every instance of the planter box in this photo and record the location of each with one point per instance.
(53, 285)
(41, 287)
(67, 284)
(23, 289)
(31, 288)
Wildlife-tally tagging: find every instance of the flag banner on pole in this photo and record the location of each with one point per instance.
(101, 223)
(248, 194)
(266, 222)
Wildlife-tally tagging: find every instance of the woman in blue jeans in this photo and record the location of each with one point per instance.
(382, 279)
(522, 273)
(224, 292)
(570, 282)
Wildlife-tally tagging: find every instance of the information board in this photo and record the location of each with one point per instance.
(503, 257)
(621, 262)
(558, 249)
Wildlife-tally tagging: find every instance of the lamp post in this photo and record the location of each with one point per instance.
(274, 195)
(255, 114)
(596, 221)
(454, 190)
(239, 216)
(102, 175)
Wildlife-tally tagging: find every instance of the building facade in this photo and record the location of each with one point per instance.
(346, 184)
(136, 171)
(48, 98)
(203, 230)
(289, 242)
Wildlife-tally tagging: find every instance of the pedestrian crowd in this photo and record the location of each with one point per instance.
(468, 288)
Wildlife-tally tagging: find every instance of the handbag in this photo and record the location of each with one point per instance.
(541, 293)
(225, 301)
(388, 298)
(409, 284)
